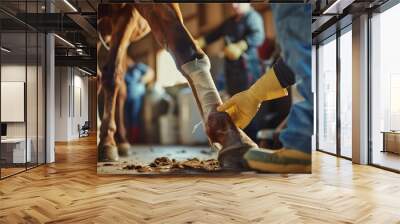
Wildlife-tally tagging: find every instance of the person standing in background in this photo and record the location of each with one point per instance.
(243, 33)
(136, 78)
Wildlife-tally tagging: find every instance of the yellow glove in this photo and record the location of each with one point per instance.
(242, 107)
(201, 42)
(233, 51)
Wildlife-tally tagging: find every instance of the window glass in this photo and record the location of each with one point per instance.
(346, 94)
(15, 151)
(385, 88)
(327, 97)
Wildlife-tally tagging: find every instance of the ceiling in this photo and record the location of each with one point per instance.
(75, 21)
(331, 15)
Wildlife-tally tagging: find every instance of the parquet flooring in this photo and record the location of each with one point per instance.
(70, 191)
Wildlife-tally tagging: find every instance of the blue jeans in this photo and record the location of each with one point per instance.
(293, 26)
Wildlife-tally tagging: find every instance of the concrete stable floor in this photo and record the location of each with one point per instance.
(144, 155)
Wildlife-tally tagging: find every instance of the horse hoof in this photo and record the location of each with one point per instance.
(232, 157)
(124, 149)
(109, 153)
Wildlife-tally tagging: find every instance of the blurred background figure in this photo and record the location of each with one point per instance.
(136, 78)
(243, 33)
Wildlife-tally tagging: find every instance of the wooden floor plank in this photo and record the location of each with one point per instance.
(70, 191)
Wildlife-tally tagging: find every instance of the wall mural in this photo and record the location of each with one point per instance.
(164, 108)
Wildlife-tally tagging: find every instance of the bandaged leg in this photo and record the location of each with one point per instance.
(231, 142)
(198, 74)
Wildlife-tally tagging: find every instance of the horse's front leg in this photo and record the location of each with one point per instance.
(166, 23)
(120, 135)
(111, 80)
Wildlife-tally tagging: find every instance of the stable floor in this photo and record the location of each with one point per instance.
(144, 155)
(70, 191)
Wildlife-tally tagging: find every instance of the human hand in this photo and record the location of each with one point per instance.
(242, 107)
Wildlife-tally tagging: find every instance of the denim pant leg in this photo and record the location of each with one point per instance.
(293, 26)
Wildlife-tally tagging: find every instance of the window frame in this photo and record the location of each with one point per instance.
(334, 37)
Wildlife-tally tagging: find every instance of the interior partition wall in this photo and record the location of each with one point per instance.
(22, 89)
(334, 94)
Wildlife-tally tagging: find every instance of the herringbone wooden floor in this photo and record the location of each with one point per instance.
(70, 191)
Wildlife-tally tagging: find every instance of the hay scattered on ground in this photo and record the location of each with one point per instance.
(165, 164)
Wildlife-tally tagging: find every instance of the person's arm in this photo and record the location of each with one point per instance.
(254, 37)
(216, 33)
(129, 78)
(149, 76)
(242, 107)
(146, 73)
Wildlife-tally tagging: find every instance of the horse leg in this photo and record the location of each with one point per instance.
(111, 79)
(166, 23)
(120, 135)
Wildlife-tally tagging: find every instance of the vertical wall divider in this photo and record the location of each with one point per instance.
(44, 79)
(37, 90)
(317, 96)
(1, 163)
(338, 99)
(360, 91)
(73, 92)
(60, 76)
(369, 78)
(26, 86)
(45, 93)
(69, 91)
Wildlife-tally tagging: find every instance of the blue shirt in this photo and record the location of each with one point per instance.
(249, 27)
(134, 86)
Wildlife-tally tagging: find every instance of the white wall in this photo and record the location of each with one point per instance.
(71, 94)
(61, 103)
(33, 127)
(16, 73)
(80, 100)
